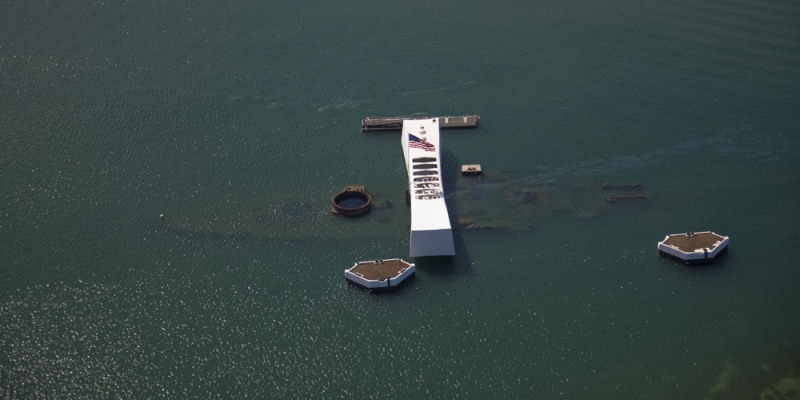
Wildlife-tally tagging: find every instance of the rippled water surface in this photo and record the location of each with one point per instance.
(167, 172)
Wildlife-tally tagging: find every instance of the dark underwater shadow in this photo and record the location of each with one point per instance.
(718, 266)
(409, 285)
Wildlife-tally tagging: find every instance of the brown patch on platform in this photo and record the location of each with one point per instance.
(379, 270)
(691, 241)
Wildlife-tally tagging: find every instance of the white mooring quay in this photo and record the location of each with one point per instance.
(431, 233)
(380, 275)
(694, 247)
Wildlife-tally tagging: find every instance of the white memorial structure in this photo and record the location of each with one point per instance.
(431, 234)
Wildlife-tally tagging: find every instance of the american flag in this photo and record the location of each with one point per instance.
(419, 143)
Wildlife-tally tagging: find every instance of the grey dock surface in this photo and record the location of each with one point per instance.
(369, 124)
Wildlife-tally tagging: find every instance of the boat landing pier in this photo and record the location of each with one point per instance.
(379, 275)
(694, 247)
(369, 124)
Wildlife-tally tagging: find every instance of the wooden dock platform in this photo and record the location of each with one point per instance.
(379, 275)
(471, 169)
(694, 247)
(462, 121)
(369, 124)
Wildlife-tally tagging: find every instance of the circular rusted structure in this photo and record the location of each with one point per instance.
(353, 200)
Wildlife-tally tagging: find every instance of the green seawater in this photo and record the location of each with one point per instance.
(238, 122)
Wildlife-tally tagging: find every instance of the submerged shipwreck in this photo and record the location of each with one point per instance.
(480, 201)
(493, 201)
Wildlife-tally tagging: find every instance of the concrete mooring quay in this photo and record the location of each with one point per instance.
(369, 124)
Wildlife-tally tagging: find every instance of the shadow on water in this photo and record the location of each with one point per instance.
(399, 292)
(720, 265)
(439, 265)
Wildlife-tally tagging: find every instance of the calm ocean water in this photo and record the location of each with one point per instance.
(237, 122)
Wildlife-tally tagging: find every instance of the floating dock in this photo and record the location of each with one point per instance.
(379, 275)
(369, 124)
(694, 247)
(471, 169)
(431, 233)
